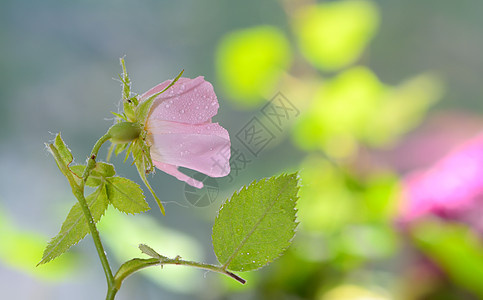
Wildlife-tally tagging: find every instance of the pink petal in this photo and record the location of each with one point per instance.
(454, 183)
(191, 101)
(203, 147)
(173, 170)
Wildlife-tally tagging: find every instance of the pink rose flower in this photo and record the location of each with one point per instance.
(452, 188)
(181, 133)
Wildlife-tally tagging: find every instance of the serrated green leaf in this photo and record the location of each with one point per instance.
(100, 171)
(142, 110)
(126, 195)
(257, 224)
(75, 226)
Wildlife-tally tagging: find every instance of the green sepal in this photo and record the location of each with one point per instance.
(126, 82)
(144, 165)
(126, 195)
(128, 105)
(75, 226)
(142, 174)
(257, 224)
(143, 109)
(120, 148)
(121, 117)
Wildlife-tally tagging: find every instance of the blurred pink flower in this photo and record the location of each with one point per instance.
(181, 132)
(452, 188)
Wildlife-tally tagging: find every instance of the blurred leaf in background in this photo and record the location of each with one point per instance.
(455, 248)
(333, 35)
(22, 250)
(355, 107)
(250, 62)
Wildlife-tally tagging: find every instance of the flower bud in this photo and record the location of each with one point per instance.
(124, 132)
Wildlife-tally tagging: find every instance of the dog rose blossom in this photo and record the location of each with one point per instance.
(452, 188)
(180, 131)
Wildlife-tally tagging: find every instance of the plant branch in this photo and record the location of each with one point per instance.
(79, 194)
(137, 264)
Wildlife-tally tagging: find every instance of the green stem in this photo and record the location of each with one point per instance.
(218, 269)
(79, 194)
(95, 236)
(91, 162)
(137, 264)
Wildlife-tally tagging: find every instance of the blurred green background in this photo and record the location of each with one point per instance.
(378, 89)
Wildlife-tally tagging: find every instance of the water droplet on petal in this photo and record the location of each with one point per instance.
(206, 107)
(181, 111)
(213, 103)
(197, 107)
(167, 106)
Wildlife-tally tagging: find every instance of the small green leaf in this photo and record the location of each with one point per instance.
(100, 171)
(62, 155)
(64, 151)
(126, 195)
(150, 251)
(132, 266)
(103, 170)
(257, 224)
(142, 110)
(75, 226)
